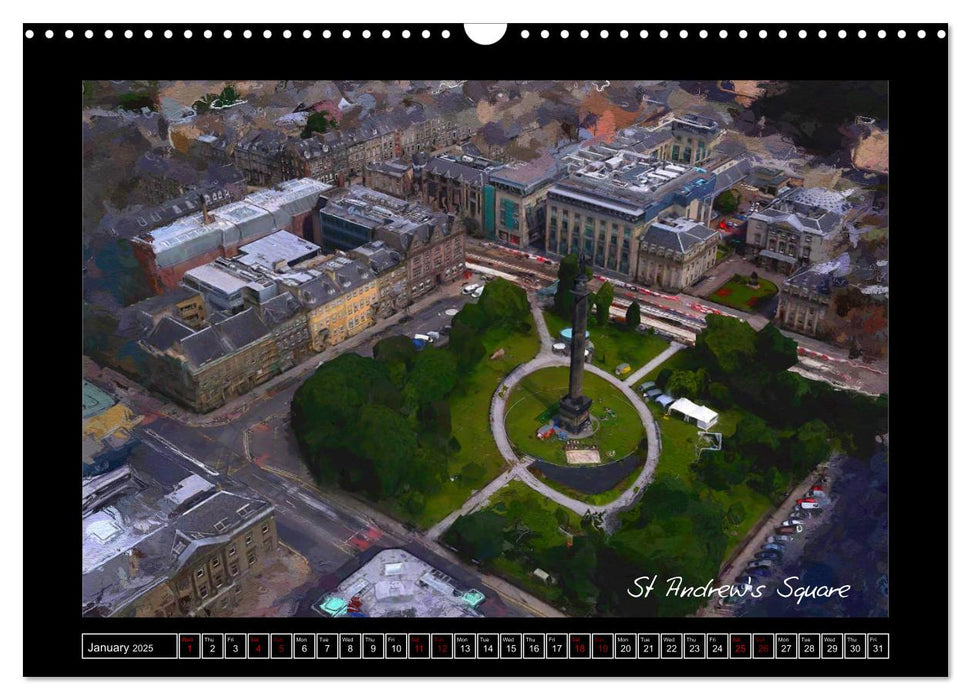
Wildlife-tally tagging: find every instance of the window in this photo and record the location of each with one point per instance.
(232, 551)
(203, 592)
(200, 573)
(234, 569)
(215, 562)
(266, 528)
(251, 557)
(249, 539)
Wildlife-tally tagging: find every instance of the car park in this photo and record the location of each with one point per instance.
(815, 505)
(792, 521)
(779, 538)
(471, 288)
(774, 547)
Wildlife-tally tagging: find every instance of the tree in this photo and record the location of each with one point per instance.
(318, 123)
(684, 382)
(808, 447)
(505, 304)
(604, 298)
(465, 343)
(479, 535)
(397, 348)
(776, 352)
(729, 344)
(727, 202)
(633, 316)
(386, 438)
(432, 377)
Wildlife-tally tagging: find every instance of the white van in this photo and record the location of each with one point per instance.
(477, 293)
(470, 288)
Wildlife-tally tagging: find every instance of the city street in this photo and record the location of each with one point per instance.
(250, 442)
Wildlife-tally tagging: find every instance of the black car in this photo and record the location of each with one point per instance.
(768, 554)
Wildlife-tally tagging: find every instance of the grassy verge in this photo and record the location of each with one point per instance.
(614, 343)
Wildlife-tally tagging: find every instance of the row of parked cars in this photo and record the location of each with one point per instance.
(775, 545)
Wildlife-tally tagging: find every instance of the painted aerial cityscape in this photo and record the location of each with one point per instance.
(485, 348)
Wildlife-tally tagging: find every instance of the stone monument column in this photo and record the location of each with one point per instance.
(575, 407)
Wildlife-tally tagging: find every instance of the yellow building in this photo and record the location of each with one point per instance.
(341, 302)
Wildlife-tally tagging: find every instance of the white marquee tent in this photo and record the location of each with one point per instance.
(702, 416)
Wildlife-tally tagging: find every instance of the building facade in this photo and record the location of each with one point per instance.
(460, 185)
(604, 208)
(394, 177)
(795, 228)
(804, 302)
(675, 253)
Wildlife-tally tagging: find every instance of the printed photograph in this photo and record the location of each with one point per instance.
(510, 348)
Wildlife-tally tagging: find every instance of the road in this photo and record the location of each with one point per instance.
(683, 315)
(249, 443)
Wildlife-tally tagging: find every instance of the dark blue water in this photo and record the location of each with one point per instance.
(848, 544)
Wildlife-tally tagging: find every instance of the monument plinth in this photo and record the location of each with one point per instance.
(575, 407)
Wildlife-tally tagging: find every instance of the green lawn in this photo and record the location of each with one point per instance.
(515, 564)
(614, 343)
(738, 295)
(470, 403)
(535, 398)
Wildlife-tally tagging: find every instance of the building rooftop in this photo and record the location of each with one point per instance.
(398, 167)
(94, 400)
(395, 583)
(149, 529)
(677, 234)
(529, 176)
(633, 185)
(379, 255)
(463, 169)
(279, 249)
(816, 210)
(256, 215)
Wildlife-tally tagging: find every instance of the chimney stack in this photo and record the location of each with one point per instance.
(207, 218)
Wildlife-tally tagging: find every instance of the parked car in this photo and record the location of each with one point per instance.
(445, 330)
(793, 522)
(434, 335)
(470, 288)
(774, 547)
(811, 505)
(768, 554)
(477, 293)
(787, 530)
(759, 570)
(779, 538)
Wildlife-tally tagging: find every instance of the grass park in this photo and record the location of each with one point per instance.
(470, 403)
(613, 343)
(738, 294)
(534, 401)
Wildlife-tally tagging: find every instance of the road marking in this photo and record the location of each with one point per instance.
(179, 452)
